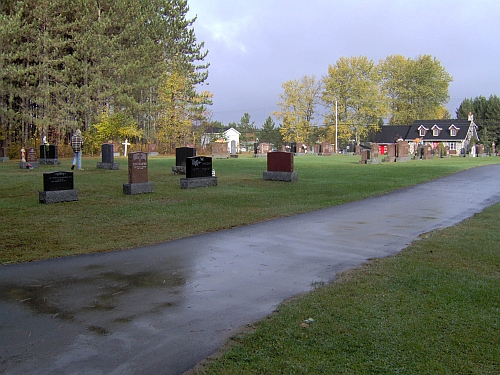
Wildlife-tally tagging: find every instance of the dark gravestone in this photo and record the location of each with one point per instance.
(3, 152)
(181, 153)
(280, 167)
(198, 166)
(403, 151)
(108, 157)
(198, 173)
(137, 174)
(293, 147)
(49, 155)
(58, 187)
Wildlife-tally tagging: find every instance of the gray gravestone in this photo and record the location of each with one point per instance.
(108, 158)
(58, 187)
(233, 153)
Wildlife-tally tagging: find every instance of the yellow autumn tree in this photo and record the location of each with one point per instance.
(181, 106)
(298, 108)
(353, 83)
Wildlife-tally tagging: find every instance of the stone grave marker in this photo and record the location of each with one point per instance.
(137, 174)
(391, 153)
(427, 152)
(49, 155)
(403, 151)
(325, 149)
(181, 153)
(3, 152)
(58, 187)
(108, 157)
(198, 173)
(365, 157)
(30, 159)
(152, 150)
(219, 150)
(480, 150)
(280, 167)
(233, 151)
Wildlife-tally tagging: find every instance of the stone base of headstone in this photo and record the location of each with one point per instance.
(112, 166)
(152, 154)
(260, 155)
(197, 182)
(280, 176)
(4, 159)
(220, 156)
(26, 165)
(299, 154)
(233, 156)
(137, 188)
(482, 155)
(116, 154)
(57, 196)
(389, 159)
(179, 169)
(374, 161)
(403, 159)
(49, 161)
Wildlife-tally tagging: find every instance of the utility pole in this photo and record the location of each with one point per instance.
(336, 129)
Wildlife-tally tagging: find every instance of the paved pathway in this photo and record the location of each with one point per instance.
(161, 309)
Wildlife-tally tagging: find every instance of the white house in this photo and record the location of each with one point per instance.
(228, 135)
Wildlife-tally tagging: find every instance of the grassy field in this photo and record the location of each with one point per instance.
(432, 309)
(105, 219)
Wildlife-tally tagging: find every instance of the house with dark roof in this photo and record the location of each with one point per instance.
(456, 134)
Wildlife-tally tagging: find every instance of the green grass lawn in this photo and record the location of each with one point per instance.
(105, 219)
(432, 309)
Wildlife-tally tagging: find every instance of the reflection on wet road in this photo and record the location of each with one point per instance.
(161, 309)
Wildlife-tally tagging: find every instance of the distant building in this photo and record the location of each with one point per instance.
(227, 135)
(456, 134)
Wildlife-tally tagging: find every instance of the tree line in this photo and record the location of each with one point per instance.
(357, 95)
(103, 66)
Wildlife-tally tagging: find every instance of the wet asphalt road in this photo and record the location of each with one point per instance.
(161, 309)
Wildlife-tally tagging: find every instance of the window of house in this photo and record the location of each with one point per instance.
(453, 146)
(421, 132)
(453, 132)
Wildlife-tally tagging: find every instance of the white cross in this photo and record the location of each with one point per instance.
(125, 144)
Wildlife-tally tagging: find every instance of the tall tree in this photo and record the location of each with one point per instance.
(298, 107)
(353, 84)
(416, 89)
(486, 114)
(270, 133)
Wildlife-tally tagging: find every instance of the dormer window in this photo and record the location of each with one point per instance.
(422, 130)
(436, 130)
(453, 130)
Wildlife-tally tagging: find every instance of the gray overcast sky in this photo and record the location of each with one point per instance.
(256, 45)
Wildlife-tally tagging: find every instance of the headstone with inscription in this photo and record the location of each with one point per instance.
(427, 155)
(219, 150)
(181, 153)
(480, 150)
(108, 158)
(49, 155)
(137, 174)
(280, 167)
(58, 187)
(30, 159)
(391, 153)
(403, 151)
(152, 150)
(198, 173)
(325, 149)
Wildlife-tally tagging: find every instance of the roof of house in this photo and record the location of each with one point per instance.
(444, 128)
(391, 133)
